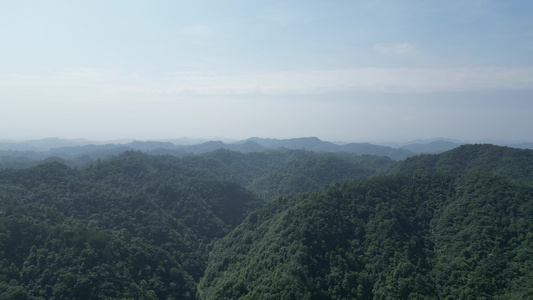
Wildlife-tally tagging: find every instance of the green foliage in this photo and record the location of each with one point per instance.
(310, 173)
(101, 231)
(399, 237)
(509, 162)
(240, 167)
(157, 227)
(271, 174)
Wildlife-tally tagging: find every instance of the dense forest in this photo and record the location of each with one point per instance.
(270, 224)
(130, 226)
(393, 237)
(78, 153)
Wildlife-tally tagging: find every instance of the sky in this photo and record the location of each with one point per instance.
(353, 71)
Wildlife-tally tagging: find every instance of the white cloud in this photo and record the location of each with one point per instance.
(368, 80)
(395, 48)
(110, 104)
(371, 80)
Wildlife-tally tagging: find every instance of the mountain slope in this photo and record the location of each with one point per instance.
(317, 145)
(276, 173)
(80, 153)
(141, 226)
(512, 163)
(307, 174)
(240, 167)
(387, 238)
(136, 225)
(437, 146)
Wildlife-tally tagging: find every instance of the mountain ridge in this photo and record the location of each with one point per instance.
(227, 225)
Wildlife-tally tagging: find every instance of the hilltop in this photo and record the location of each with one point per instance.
(277, 223)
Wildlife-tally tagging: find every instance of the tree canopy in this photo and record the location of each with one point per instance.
(285, 224)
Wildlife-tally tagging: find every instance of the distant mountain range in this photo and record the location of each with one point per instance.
(280, 224)
(433, 147)
(86, 150)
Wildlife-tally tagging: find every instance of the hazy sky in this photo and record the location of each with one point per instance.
(339, 70)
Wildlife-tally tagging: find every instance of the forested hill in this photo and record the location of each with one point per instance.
(397, 237)
(31, 153)
(311, 173)
(131, 227)
(512, 163)
(271, 174)
(234, 225)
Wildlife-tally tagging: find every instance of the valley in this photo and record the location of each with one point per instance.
(276, 223)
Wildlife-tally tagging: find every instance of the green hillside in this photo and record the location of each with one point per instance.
(271, 174)
(307, 174)
(285, 224)
(399, 237)
(512, 163)
(132, 225)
